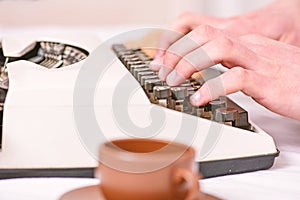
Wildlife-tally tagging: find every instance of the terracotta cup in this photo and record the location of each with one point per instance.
(148, 169)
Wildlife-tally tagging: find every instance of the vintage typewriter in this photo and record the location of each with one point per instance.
(39, 136)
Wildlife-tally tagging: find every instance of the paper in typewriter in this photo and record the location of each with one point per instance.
(38, 126)
(39, 129)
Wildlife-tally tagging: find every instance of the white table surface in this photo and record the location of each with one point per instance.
(280, 182)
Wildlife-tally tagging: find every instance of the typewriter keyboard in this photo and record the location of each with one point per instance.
(222, 110)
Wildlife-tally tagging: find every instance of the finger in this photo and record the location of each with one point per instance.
(167, 38)
(174, 53)
(233, 80)
(192, 62)
(224, 50)
(156, 64)
(187, 44)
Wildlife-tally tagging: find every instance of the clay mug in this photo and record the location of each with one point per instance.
(148, 169)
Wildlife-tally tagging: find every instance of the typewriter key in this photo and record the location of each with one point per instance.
(179, 93)
(177, 99)
(150, 84)
(133, 67)
(128, 61)
(162, 94)
(130, 56)
(136, 71)
(142, 74)
(148, 77)
(134, 62)
(226, 115)
(216, 104)
(125, 53)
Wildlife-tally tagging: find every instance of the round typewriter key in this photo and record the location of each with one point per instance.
(179, 93)
(150, 84)
(162, 92)
(131, 56)
(217, 104)
(133, 67)
(126, 53)
(148, 77)
(134, 59)
(138, 70)
(126, 60)
(226, 115)
(131, 62)
(142, 74)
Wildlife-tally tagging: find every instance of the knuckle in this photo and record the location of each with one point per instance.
(202, 33)
(240, 73)
(205, 30)
(225, 43)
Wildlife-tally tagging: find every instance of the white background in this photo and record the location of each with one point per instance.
(106, 12)
(279, 182)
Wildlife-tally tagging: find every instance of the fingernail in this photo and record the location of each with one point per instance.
(163, 72)
(195, 99)
(174, 78)
(156, 64)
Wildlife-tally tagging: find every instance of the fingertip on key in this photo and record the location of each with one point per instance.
(195, 99)
(174, 78)
(155, 65)
(163, 73)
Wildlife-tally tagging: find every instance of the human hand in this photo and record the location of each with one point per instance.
(265, 69)
(279, 20)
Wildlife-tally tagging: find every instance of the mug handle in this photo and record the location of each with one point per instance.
(194, 192)
(193, 181)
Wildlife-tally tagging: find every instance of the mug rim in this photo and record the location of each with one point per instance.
(112, 156)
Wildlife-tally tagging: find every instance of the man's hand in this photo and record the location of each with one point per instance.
(279, 20)
(264, 69)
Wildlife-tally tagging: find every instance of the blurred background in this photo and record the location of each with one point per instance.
(19, 13)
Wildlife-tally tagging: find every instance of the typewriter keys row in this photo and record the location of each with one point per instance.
(222, 110)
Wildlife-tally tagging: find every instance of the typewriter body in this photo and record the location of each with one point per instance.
(43, 140)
